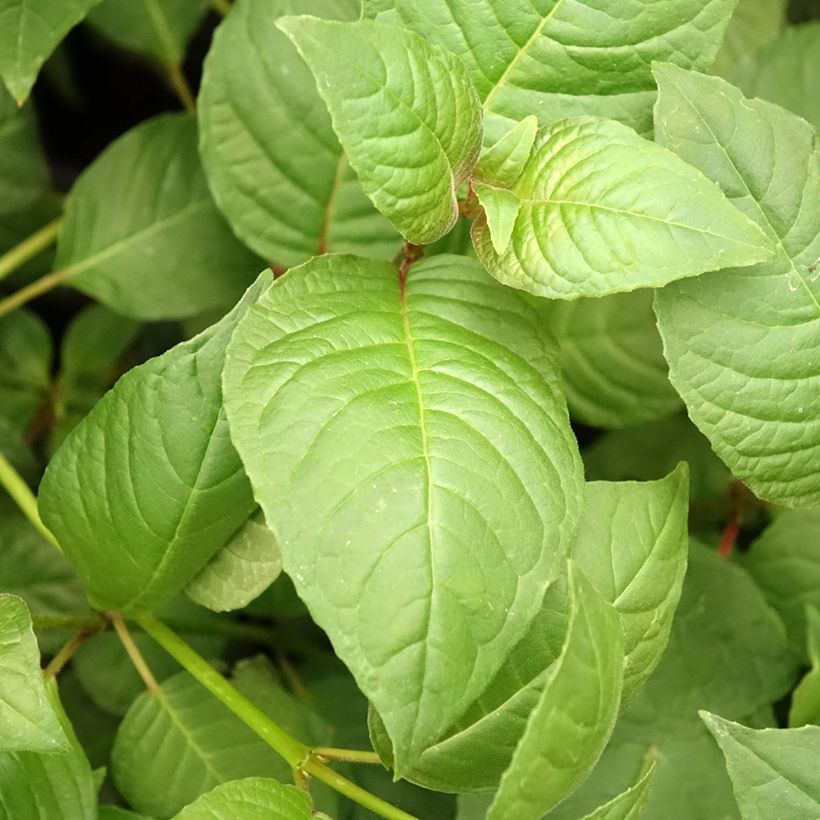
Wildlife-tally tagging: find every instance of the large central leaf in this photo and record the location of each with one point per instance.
(409, 446)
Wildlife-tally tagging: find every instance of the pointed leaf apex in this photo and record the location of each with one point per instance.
(503, 163)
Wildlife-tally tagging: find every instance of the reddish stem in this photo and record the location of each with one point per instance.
(727, 541)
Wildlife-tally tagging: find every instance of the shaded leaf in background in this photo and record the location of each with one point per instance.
(754, 24)
(727, 652)
(157, 28)
(287, 190)
(805, 705)
(404, 423)
(252, 798)
(29, 31)
(25, 367)
(786, 72)
(405, 112)
(612, 361)
(45, 786)
(241, 571)
(28, 721)
(628, 805)
(571, 723)
(149, 487)
(142, 234)
(559, 58)
(605, 211)
(773, 771)
(744, 345)
(785, 563)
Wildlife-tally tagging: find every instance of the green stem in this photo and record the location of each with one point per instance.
(32, 291)
(293, 751)
(24, 498)
(65, 654)
(143, 670)
(179, 83)
(91, 622)
(221, 6)
(30, 247)
(348, 755)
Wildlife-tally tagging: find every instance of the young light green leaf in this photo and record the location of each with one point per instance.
(628, 805)
(559, 58)
(157, 28)
(503, 163)
(742, 345)
(805, 707)
(773, 771)
(28, 721)
(25, 367)
(605, 211)
(501, 207)
(241, 571)
(164, 251)
(612, 360)
(29, 31)
(45, 786)
(632, 545)
(287, 191)
(754, 24)
(405, 112)
(149, 487)
(570, 725)
(785, 563)
(252, 798)
(786, 72)
(440, 444)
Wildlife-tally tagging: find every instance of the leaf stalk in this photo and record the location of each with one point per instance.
(29, 247)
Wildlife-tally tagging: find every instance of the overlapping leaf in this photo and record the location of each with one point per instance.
(405, 112)
(559, 58)
(604, 211)
(273, 162)
(142, 234)
(396, 429)
(148, 487)
(628, 805)
(251, 798)
(805, 706)
(744, 345)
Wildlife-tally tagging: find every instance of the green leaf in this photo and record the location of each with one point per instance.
(742, 344)
(503, 163)
(501, 208)
(805, 706)
(604, 211)
(157, 28)
(149, 487)
(241, 571)
(628, 805)
(786, 566)
(90, 354)
(164, 251)
(252, 798)
(773, 771)
(568, 729)
(632, 545)
(786, 72)
(405, 112)
(25, 367)
(28, 721)
(118, 813)
(46, 786)
(727, 652)
(287, 191)
(397, 429)
(612, 360)
(29, 31)
(754, 24)
(559, 58)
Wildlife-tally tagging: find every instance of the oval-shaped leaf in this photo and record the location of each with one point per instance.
(241, 571)
(142, 234)
(605, 211)
(396, 429)
(148, 487)
(743, 346)
(287, 189)
(405, 112)
(571, 723)
(28, 721)
(251, 798)
(773, 771)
